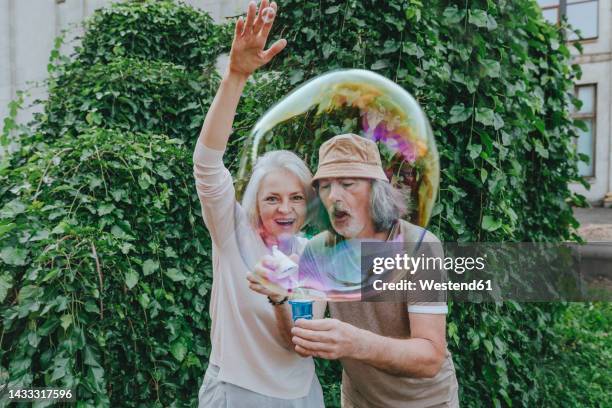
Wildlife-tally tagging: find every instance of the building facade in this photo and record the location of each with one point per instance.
(594, 20)
(28, 29)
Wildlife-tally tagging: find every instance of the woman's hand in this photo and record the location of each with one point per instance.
(247, 53)
(267, 267)
(256, 286)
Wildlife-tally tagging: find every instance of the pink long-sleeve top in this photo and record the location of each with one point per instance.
(246, 343)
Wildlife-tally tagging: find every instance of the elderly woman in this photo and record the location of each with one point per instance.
(252, 363)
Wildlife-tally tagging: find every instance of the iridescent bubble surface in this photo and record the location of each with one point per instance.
(381, 111)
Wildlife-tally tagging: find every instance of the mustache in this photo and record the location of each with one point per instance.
(335, 209)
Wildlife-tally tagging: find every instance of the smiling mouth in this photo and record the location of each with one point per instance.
(285, 223)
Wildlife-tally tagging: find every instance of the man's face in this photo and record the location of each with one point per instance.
(347, 201)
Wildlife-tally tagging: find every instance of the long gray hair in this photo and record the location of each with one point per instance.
(269, 162)
(387, 205)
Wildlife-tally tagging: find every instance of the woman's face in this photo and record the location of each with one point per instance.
(281, 201)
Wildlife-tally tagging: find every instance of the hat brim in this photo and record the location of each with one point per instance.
(350, 170)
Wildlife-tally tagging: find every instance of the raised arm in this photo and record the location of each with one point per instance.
(247, 54)
(213, 181)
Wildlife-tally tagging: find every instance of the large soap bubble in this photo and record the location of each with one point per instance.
(336, 272)
(374, 107)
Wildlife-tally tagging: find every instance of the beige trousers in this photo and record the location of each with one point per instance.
(219, 394)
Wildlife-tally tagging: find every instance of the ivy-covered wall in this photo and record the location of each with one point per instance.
(104, 258)
(105, 265)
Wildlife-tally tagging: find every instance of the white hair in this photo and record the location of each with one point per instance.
(387, 205)
(269, 162)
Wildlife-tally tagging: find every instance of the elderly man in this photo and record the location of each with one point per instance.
(393, 354)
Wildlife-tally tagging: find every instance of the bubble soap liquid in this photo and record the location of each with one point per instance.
(301, 309)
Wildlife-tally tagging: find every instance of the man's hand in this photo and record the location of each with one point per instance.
(247, 53)
(327, 338)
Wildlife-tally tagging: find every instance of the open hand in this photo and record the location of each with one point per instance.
(247, 53)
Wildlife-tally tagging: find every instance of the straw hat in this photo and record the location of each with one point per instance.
(349, 156)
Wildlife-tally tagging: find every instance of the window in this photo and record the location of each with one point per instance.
(550, 10)
(586, 138)
(581, 14)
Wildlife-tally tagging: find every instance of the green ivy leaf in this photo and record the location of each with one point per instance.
(452, 15)
(488, 345)
(540, 149)
(98, 376)
(149, 266)
(170, 252)
(14, 256)
(6, 282)
(59, 371)
(483, 174)
(66, 321)
(90, 358)
(178, 350)
(33, 339)
(498, 122)
(390, 46)
(40, 235)
(327, 50)
(486, 116)
(144, 300)
(51, 274)
(380, 64)
(459, 113)
(12, 209)
(457, 193)
(131, 278)
(175, 275)
(474, 150)
(93, 118)
(118, 232)
(295, 76)
(478, 18)
(491, 23)
(105, 209)
(145, 181)
(332, 9)
(411, 48)
(6, 227)
(491, 68)
(490, 224)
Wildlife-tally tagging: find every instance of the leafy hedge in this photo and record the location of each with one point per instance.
(105, 262)
(104, 258)
(109, 291)
(585, 352)
(128, 94)
(157, 31)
